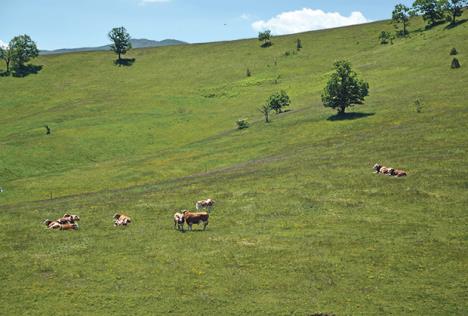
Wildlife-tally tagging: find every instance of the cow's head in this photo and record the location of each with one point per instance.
(377, 167)
(116, 216)
(75, 217)
(47, 222)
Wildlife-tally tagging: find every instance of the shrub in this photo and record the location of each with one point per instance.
(278, 101)
(298, 44)
(248, 73)
(455, 63)
(453, 52)
(419, 106)
(384, 37)
(242, 123)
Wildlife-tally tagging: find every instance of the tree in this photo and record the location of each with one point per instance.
(455, 63)
(23, 49)
(121, 39)
(401, 14)
(344, 89)
(265, 110)
(431, 10)
(298, 44)
(6, 53)
(265, 37)
(385, 37)
(278, 101)
(455, 9)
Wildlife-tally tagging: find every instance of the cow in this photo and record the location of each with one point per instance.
(121, 220)
(179, 221)
(208, 204)
(52, 224)
(397, 173)
(378, 168)
(69, 226)
(196, 218)
(68, 219)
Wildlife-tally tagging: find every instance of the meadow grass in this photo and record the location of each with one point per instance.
(301, 224)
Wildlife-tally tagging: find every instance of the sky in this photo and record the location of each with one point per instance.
(54, 24)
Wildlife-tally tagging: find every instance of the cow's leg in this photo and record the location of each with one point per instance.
(190, 226)
(204, 225)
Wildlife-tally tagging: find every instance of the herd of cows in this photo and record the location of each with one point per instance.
(378, 168)
(70, 222)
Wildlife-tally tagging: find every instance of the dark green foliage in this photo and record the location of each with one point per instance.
(344, 89)
(401, 14)
(248, 73)
(121, 41)
(6, 53)
(265, 37)
(278, 101)
(22, 49)
(298, 44)
(454, 9)
(385, 37)
(242, 123)
(453, 52)
(418, 105)
(432, 11)
(455, 63)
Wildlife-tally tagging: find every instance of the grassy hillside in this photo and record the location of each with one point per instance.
(301, 225)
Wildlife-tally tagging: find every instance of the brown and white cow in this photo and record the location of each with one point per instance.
(57, 225)
(69, 226)
(196, 218)
(121, 220)
(68, 219)
(179, 221)
(208, 204)
(378, 168)
(397, 173)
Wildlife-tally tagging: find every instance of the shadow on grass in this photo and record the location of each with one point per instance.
(349, 116)
(266, 44)
(27, 70)
(4, 73)
(452, 25)
(127, 62)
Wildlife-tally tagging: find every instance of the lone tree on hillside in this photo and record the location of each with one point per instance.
(121, 41)
(23, 49)
(385, 37)
(265, 110)
(431, 10)
(344, 89)
(298, 44)
(401, 14)
(265, 37)
(455, 9)
(278, 101)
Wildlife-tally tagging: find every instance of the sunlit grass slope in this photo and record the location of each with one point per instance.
(301, 223)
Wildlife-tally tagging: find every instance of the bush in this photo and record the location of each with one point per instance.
(419, 106)
(384, 37)
(455, 63)
(278, 101)
(242, 123)
(248, 73)
(453, 52)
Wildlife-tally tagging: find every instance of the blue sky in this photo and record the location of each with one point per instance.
(75, 23)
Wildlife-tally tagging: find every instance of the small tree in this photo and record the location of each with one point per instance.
(418, 105)
(121, 41)
(455, 9)
(6, 53)
(248, 73)
(265, 37)
(265, 110)
(344, 89)
(23, 49)
(385, 37)
(298, 44)
(455, 63)
(431, 10)
(401, 14)
(278, 101)
(453, 52)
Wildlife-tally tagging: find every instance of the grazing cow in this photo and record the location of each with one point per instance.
(52, 224)
(179, 221)
(208, 204)
(68, 219)
(378, 168)
(196, 218)
(121, 220)
(397, 173)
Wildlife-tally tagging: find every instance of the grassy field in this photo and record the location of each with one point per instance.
(301, 223)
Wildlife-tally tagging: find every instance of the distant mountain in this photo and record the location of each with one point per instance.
(136, 43)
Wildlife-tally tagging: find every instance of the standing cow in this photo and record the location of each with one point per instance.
(196, 218)
(179, 221)
(208, 204)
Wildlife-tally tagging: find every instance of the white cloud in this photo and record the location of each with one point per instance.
(3, 44)
(307, 20)
(245, 16)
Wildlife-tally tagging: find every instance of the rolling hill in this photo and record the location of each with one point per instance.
(301, 224)
(136, 43)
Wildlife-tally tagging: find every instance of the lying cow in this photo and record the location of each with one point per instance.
(397, 173)
(196, 218)
(381, 169)
(179, 221)
(208, 204)
(121, 220)
(56, 225)
(68, 219)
